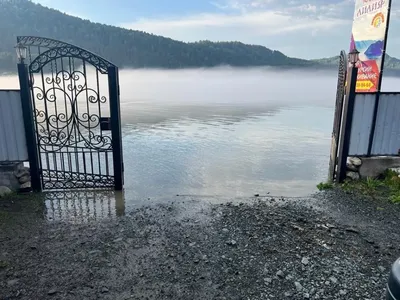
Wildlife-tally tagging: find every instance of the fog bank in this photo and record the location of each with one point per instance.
(151, 95)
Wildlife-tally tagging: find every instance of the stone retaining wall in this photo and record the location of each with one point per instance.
(364, 167)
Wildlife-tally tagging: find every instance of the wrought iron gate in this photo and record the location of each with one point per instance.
(340, 93)
(75, 100)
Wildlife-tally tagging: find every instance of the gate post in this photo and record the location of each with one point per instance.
(27, 112)
(345, 133)
(115, 114)
(340, 93)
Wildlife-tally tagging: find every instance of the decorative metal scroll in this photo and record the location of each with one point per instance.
(340, 93)
(70, 93)
(68, 51)
(37, 41)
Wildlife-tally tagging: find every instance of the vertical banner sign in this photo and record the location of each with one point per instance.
(369, 32)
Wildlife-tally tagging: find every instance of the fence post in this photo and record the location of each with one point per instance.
(345, 133)
(27, 112)
(115, 114)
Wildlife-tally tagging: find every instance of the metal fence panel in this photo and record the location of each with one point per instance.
(361, 124)
(12, 133)
(387, 129)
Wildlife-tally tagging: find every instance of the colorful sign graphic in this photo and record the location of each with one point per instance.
(378, 20)
(368, 37)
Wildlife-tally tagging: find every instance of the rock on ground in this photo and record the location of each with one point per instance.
(353, 175)
(354, 161)
(4, 191)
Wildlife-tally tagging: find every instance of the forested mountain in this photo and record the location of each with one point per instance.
(392, 64)
(131, 48)
(125, 48)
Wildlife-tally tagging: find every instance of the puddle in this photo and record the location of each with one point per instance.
(84, 206)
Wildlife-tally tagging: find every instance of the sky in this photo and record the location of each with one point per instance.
(298, 28)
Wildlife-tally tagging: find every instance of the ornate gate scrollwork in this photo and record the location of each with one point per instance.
(73, 91)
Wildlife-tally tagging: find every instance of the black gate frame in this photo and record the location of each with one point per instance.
(56, 49)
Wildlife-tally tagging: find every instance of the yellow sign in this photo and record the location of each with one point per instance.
(365, 85)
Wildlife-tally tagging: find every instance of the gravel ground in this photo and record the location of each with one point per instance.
(331, 246)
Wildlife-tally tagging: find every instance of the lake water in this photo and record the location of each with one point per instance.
(225, 132)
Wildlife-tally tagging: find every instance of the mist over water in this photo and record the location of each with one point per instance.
(225, 131)
(205, 93)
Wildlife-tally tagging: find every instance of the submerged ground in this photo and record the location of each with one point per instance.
(330, 246)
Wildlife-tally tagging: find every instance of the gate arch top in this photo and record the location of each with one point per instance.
(38, 41)
(69, 51)
(59, 49)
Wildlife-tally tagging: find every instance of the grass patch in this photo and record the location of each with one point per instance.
(369, 187)
(386, 186)
(323, 186)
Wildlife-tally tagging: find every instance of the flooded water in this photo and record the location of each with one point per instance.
(225, 132)
(84, 206)
(221, 133)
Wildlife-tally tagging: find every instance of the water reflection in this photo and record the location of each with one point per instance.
(84, 206)
(283, 152)
(225, 132)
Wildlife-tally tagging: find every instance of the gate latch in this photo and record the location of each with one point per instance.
(105, 123)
